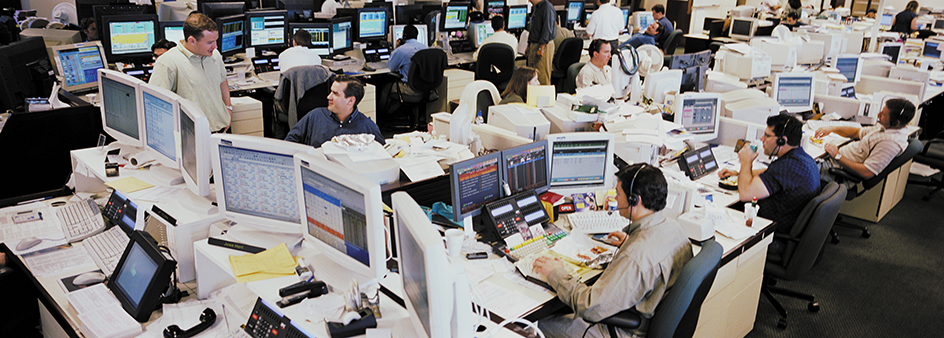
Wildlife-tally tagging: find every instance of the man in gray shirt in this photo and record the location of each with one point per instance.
(541, 35)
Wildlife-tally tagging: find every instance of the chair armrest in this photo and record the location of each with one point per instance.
(844, 176)
(4, 272)
(628, 319)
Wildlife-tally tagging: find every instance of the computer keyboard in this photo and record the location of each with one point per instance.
(80, 220)
(106, 248)
(534, 245)
(597, 221)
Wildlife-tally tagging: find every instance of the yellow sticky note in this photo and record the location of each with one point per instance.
(274, 260)
(129, 184)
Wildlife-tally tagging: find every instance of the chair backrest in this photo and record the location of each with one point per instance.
(427, 69)
(293, 84)
(315, 97)
(808, 234)
(567, 53)
(913, 148)
(933, 152)
(671, 42)
(677, 313)
(570, 80)
(495, 64)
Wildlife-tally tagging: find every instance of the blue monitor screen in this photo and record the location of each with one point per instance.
(573, 10)
(80, 65)
(886, 20)
(496, 8)
(159, 125)
(930, 49)
(517, 17)
(232, 36)
(847, 67)
(477, 183)
(372, 24)
(341, 35)
(626, 16)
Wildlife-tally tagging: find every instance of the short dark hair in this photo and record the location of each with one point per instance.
(87, 22)
(658, 9)
(649, 184)
(353, 87)
(604, 1)
(786, 125)
(163, 44)
(595, 46)
(410, 32)
(794, 15)
(871, 10)
(196, 23)
(498, 23)
(302, 38)
(900, 111)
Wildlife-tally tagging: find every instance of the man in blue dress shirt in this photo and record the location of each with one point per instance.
(658, 13)
(399, 63)
(341, 117)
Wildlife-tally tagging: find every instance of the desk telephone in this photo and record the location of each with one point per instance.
(377, 52)
(264, 64)
(268, 321)
(519, 221)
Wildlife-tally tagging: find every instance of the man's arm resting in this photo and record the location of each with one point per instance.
(750, 185)
(857, 168)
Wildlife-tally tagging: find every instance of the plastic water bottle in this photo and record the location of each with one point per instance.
(479, 119)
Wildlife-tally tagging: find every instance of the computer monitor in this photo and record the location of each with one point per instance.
(371, 24)
(159, 107)
(930, 49)
(480, 31)
(172, 31)
(254, 179)
(455, 17)
(699, 114)
(422, 34)
(388, 5)
(78, 64)
(660, 83)
(892, 49)
(320, 36)
(587, 13)
(493, 8)
(216, 10)
(938, 23)
(343, 215)
(475, 182)
(407, 14)
(574, 12)
(517, 17)
(232, 38)
(643, 19)
(141, 276)
(886, 21)
(742, 28)
(526, 167)
(582, 160)
(627, 15)
(129, 37)
(266, 29)
(299, 10)
(194, 159)
(114, 8)
(794, 91)
(848, 65)
(121, 117)
(341, 34)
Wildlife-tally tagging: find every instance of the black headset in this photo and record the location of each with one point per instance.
(783, 131)
(207, 318)
(631, 197)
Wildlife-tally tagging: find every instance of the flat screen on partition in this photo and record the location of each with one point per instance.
(517, 17)
(574, 10)
(266, 28)
(494, 8)
(580, 160)
(120, 115)
(794, 91)
(475, 183)
(372, 23)
(130, 36)
(78, 64)
(194, 148)
(320, 36)
(455, 17)
(341, 35)
(848, 66)
(421, 36)
(698, 113)
(160, 110)
(526, 167)
(232, 33)
(930, 49)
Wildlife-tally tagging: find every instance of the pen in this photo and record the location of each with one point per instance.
(34, 200)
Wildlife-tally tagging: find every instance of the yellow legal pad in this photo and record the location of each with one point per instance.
(272, 263)
(129, 184)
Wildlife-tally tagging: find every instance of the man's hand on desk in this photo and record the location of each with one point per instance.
(616, 238)
(544, 265)
(726, 173)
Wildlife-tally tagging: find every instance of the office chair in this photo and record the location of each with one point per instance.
(427, 69)
(677, 313)
(670, 45)
(496, 63)
(845, 177)
(797, 251)
(315, 97)
(569, 84)
(294, 84)
(933, 156)
(566, 54)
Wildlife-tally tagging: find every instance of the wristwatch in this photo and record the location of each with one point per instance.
(838, 157)
(230, 108)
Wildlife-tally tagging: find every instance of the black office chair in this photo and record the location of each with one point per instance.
(794, 253)
(315, 97)
(566, 54)
(294, 85)
(569, 84)
(933, 156)
(677, 313)
(495, 64)
(845, 177)
(670, 45)
(427, 69)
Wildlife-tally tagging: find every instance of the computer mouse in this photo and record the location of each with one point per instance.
(88, 278)
(27, 243)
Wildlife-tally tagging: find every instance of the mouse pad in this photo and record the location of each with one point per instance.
(66, 282)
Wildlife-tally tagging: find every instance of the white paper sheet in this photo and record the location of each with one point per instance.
(58, 260)
(505, 303)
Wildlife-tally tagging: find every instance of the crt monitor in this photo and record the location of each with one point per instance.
(172, 31)
(232, 39)
(742, 28)
(266, 29)
(480, 31)
(659, 84)
(892, 49)
(216, 10)
(255, 181)
(160, 124)
(526, 167)
(455, 17)
(582, 160)
(421, 36)
(848, 65)
(78, 64)
(320, 35)
(341, 34)
(517, 17)
(574, 11)
(436, 293)
(931, 49)
(493, 8)
(886, 21)
(194, 159)
(141, 276)
(129, 37)
(342, 215)
(475, 182)
(699, 114)
(121, 117)
(642, 19)
(938, 24)
(794, 91)
(371, 24)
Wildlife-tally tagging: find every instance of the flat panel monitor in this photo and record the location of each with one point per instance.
(172, 31)
(266, 29)
(493, 8)
(931, 49)
(455, 17)
(255, 181)
(582, 160)
(121, 117)
(232, 38)
(526, 167)
(160, 124)
(386, 5)
(341, 35)
(886, 21)
(574, 11)
(100, 11)
(475, 182)
(194, 159)
(794, 91)
(129, 37)
(699, 114)
(216, 10)
(742, 29)
(848, 65)
(298, 10)
(320, 35)
(342, 215)
(479, 32)
(643, 19)
(78, 64)
(407, 14)
(421, 36)
(586, 16)
(142, 274)
(892, 49)
(371, 24)
(517, 17)
(627, 15)
(938, 23)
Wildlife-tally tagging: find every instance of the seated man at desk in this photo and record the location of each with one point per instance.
(162, 46)
(649, 37)
(597, 71)
(339, 118)
(875, 146)
(399, 63)
(300, 54)
(788, 183)
(500, 36)
(790, 21)
(652, 251)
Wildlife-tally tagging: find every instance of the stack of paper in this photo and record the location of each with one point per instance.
(272, 263)
(101, 313)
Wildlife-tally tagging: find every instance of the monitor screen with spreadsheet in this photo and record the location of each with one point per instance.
(266, 29)
(78, 64)
(342, 215)
(887, 20)
(526, 167)
(582, 160)
(194, 160)
(455, 16)
(574, 11)
(341, 35)
(129, 37)
(517, 17)
(700, 114)
(475, 182)
(320, 36)
(255, 181)
(160, 123)
(372, 24)
(232, 38)
(119, 103)
(794, 91)
(479, 32)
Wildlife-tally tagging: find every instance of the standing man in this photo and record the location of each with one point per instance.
(194, 70)
(498, 25)
(658, 13)
(341, 117)
(541, 35)
(300, 54)
(597, 71)
(606, 23)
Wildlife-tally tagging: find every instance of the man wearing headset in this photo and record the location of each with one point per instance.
(875, 146)
(788, 183)
(652, 251)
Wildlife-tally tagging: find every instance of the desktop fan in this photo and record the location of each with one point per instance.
(651, 59)
(65, 13)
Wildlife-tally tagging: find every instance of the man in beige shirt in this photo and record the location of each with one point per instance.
(596, 72)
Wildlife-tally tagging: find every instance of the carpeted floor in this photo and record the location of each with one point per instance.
(889, 285)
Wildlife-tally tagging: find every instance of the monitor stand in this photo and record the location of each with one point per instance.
(246, 234)
(201, 205)
(165, 175)
(125, 151)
